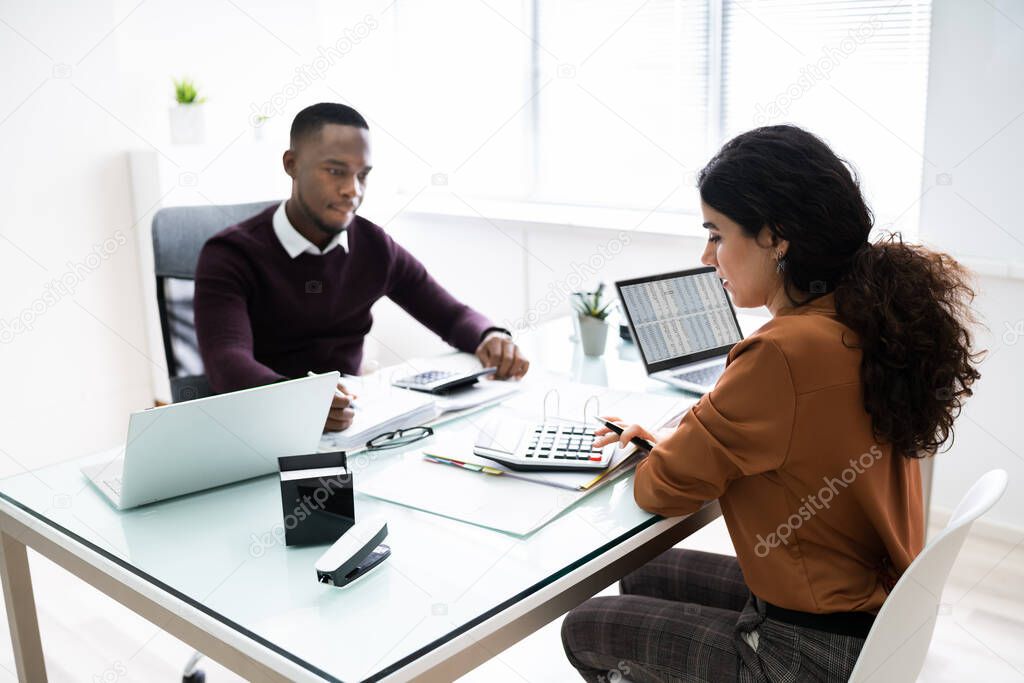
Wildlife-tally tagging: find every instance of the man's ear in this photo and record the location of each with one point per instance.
(289, 162)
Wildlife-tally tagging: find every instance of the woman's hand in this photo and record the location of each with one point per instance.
(607, 436)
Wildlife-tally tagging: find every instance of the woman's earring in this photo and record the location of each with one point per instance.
(780, 263)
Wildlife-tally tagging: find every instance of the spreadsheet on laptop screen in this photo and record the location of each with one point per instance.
(680, 315)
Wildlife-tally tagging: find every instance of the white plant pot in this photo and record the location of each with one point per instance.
(593, 334)
(188, 124)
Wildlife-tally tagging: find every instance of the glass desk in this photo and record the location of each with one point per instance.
(211, 568)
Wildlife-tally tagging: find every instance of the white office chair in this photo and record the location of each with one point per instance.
(898, 642)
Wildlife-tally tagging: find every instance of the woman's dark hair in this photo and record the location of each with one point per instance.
(909, 306)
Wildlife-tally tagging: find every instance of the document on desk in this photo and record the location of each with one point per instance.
(485, 391)
(380, 408)
(480, 492)
(496, 502)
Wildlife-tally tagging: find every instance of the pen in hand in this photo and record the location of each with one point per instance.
(338, 393)
(641, 443)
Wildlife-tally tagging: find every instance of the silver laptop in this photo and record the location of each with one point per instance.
(195, 445)
(684, 325)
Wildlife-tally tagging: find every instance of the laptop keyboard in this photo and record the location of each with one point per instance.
(703, 377)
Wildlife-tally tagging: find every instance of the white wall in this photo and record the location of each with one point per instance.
(69, 381)
(971, 207)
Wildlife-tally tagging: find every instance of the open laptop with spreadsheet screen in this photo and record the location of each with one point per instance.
(684, 325)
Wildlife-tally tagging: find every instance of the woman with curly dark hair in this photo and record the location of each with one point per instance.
(810, 440)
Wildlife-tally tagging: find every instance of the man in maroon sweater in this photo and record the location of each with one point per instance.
(290, 290)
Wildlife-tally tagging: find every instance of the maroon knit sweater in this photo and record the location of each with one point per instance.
(262, 316)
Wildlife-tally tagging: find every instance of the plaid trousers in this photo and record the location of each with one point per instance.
(689, 616)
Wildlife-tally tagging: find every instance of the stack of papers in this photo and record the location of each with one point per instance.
(485, 391)
(380, 409)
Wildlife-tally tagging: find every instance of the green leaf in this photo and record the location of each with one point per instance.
(185, 91)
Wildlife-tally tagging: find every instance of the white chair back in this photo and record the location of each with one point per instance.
(898, 642)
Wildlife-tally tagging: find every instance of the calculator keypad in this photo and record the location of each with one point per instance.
(555, 441)
(428, 377)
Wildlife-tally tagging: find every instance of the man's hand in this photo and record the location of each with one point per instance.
(498, 351)
(340, 416)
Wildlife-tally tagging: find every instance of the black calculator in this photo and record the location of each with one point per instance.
(442, 381)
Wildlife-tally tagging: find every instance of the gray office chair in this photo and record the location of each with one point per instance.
(179, 234)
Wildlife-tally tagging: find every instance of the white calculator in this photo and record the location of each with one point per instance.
(551, 445)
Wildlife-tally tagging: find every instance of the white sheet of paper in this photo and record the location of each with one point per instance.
(501, 502)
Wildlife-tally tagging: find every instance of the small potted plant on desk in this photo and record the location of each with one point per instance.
(187, 124)
(593, 319)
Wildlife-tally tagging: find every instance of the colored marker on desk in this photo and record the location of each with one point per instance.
(441, 460)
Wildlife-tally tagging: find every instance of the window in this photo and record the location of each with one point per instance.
(462, 90)
(619, 104)
(853, 72)
(622, 120)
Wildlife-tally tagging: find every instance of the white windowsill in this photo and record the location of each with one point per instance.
(538, 214)
(1009, 270)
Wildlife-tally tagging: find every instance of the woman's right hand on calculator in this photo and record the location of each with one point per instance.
(607, 436)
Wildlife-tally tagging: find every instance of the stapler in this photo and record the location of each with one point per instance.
(354, 554)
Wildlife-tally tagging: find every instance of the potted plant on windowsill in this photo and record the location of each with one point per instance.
(593, 318)
(187, 124)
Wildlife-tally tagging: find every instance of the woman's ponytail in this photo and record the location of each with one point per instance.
(910, 309)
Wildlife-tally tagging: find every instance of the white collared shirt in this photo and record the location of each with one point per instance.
(293, 241)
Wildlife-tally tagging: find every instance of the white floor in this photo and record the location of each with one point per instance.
(88, 637)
